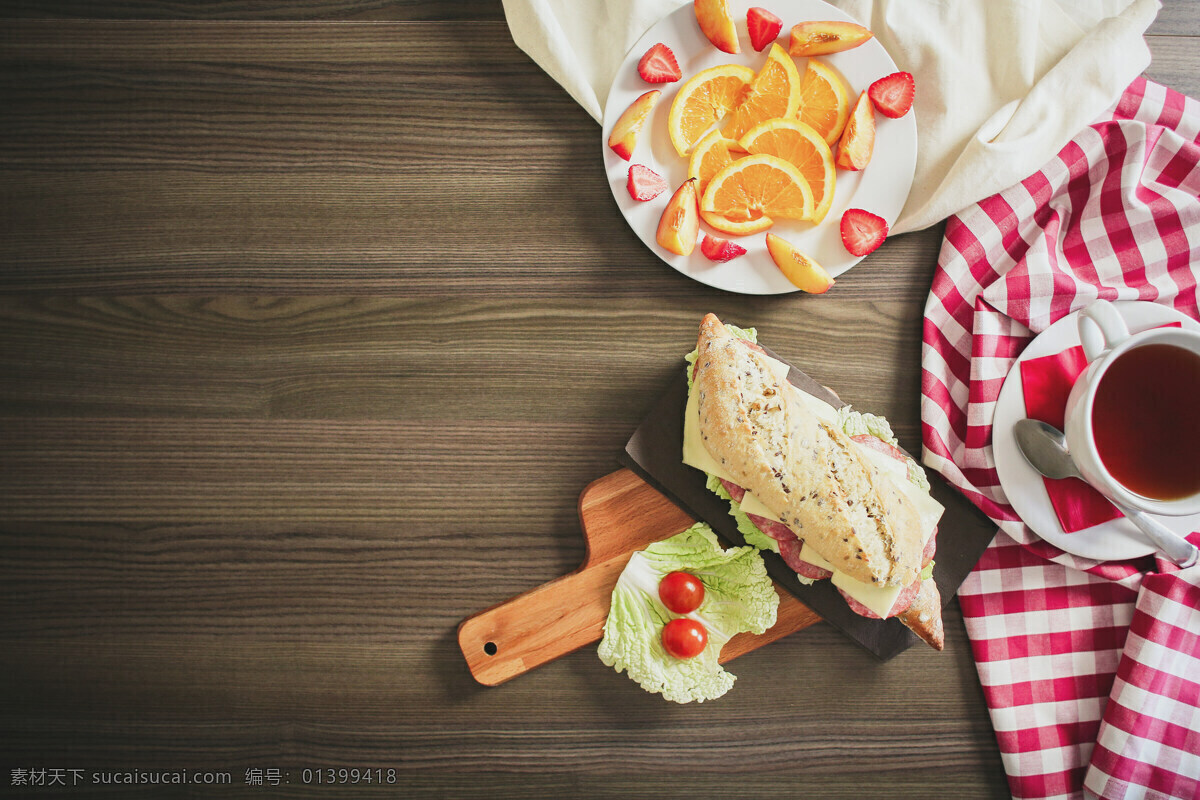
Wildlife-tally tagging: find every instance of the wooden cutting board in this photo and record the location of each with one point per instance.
(620, 514)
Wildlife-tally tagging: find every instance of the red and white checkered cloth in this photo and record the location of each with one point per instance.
(1091, 671)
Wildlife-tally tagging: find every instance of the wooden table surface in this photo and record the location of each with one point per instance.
(315, 319)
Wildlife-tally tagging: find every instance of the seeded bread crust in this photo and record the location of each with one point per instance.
(801, 467)
(924, 616)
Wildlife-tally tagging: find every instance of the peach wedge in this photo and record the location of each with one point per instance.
(717, 24)
(624, 135)
(680, 222)
(823, 38)
(858, 139)
(802, 271)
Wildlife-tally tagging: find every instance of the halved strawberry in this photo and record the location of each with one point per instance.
(644, 183)
(658, 65)
(862, 231)
(764, 27)
(718, 249)
(893, 94)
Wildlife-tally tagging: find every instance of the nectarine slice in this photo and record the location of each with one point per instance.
(804, 273)
(858, 139)
(625, 132)
(717, 24)
(680, 222)
(820, 38)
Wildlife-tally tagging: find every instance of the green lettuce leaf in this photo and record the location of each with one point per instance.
(856, 423)
(750, 532)
(738, 596)
(917, 475)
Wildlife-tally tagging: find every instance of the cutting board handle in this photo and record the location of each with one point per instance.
(531, 629)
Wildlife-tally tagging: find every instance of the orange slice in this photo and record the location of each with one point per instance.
(824, 101)
(799, 144)
(703, 100)
(742, 228)
(758, 186)
(711, 155)
(774, 92)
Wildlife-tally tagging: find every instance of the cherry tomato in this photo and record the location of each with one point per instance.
(681, 592)
(684, 637)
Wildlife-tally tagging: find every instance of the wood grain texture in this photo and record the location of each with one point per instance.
(271, 158)
(246, 10)
(1178, 17)
(354, 358)
(311, 334)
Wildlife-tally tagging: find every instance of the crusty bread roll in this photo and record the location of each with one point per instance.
(800, 466)
(924, 616)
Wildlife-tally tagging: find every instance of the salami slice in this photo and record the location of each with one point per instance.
(790, 546)
(735, 491)
(930, 549)
(755, 346)
(903, 601)
(790, 552)
(776, 530)
(811, 571)
(875, 443)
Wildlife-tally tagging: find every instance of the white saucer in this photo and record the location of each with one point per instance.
(1116, 540)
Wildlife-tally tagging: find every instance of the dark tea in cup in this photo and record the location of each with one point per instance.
(1146, 421)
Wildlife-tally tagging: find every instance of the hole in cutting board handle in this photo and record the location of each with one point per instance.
(490, 648)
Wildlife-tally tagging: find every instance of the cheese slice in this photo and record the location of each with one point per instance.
(807, 553)
(695, 454)
(752, 505)
(879, 599)
(822, 410)
(776, 366)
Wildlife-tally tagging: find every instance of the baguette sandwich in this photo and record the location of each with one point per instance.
(826, 488)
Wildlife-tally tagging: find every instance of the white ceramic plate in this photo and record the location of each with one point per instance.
(1115, 540)
(881, 188)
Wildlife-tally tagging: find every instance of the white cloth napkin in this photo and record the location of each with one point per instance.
(1001, 85)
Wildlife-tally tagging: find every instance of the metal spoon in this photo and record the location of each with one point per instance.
(1045, 448)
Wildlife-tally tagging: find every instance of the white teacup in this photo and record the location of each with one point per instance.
(1106, 338)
